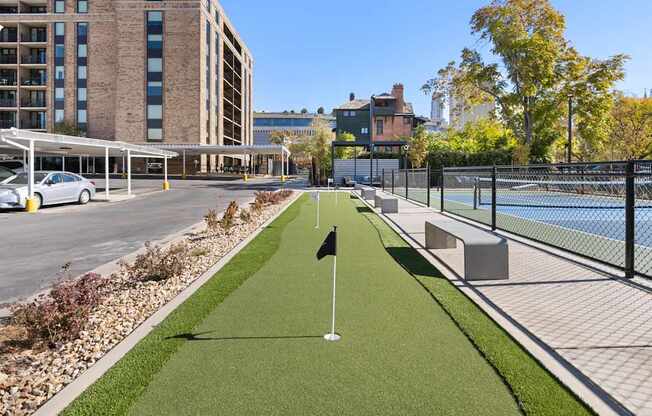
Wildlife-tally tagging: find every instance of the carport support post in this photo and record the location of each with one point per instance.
(128, 172)
(30, 204)
(184, 164)
(166, 184)
(106, 173)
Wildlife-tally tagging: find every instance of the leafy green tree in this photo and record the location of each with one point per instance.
(345, 152)
(304, 111)
(317, 149)
(67, 129)
(321, 110)
(281, 137)
(536, 72)
(418, 147)
(631, 129)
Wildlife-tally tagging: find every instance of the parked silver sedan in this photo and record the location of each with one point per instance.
(49, 188)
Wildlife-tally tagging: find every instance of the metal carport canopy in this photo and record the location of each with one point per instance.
(215, 149)
(18, 141)
(232, 150)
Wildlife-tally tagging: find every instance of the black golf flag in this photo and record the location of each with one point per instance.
(329, 247)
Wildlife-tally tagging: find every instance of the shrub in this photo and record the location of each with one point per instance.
(228, 220)
(61, 315)
(272, 198)
(245, 216)
(257, 206)
(212, 221)
(199, 252)
(158, 264)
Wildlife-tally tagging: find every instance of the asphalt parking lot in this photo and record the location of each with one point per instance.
(34, 247)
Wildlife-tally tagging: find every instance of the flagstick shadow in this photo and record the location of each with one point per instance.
(198, 337)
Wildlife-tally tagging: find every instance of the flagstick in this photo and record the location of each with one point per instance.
(317, 225)
(333, 336)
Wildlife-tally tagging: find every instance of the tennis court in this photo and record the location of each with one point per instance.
(581, 213)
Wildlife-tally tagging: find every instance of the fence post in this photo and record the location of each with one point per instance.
(428, 181)
(493, 198)
(392, 181)
(441, 190)
(630, 224)
(407, 192)
(383, 182)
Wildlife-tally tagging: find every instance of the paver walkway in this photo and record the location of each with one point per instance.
(600, 325)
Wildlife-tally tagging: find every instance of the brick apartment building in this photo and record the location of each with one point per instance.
(172, 72)
(383, 118)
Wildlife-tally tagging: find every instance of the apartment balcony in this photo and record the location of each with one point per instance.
(34, 82)
(8, 59)
(7, 81)
(33, 125)
(8, 37)
(8, 10)
(33, 37)
(33, 60)
(7, 103)
(33, 103)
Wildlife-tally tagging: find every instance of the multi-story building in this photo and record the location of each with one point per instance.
(383, 118)
(295, 124)
(172, 72)
(462, 114)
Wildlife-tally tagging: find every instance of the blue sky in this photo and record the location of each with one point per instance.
(311, 54)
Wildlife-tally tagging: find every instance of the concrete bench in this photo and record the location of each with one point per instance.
(388, 205)
(368, 194)
(486, 256)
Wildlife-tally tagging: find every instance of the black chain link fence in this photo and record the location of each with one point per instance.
(602, 211)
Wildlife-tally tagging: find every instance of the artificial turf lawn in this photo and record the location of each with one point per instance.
(260, 351)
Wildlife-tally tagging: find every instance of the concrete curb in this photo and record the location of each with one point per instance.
(591, 394)
(65, 397)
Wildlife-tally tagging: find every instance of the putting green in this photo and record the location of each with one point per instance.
(261, 352)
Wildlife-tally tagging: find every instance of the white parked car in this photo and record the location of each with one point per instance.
(49, 188)
(6, 174)
(17, 166)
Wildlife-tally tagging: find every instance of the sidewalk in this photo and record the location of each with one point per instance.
(600, 325)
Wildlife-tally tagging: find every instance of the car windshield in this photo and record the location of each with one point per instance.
(22, 178)
(6, 173)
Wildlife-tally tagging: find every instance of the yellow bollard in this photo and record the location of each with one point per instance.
(283, 178)
(246, 177)
(166, 186)
(30, 205)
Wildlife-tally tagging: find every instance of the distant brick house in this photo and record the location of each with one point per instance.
(383, 118)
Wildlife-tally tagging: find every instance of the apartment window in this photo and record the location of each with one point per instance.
(82, 77)
(59, 6)
(380, 127)
(59, 71)
(82, 6)
(154, 75)
(364, 130)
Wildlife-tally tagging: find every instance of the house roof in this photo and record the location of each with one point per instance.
(355, 105)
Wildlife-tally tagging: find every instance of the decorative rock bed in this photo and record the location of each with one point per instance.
(32, 374)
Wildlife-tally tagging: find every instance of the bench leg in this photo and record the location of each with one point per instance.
(486, 262)
(437, 239)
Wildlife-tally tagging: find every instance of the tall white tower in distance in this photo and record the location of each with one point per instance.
(437, 115)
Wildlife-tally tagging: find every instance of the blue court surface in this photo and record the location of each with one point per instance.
(600, 216)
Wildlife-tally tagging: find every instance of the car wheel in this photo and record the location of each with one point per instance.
(84, 197)
(38, 201)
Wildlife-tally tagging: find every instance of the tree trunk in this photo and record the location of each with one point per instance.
(527, 119)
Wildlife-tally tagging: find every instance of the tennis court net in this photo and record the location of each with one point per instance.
(597, 193)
